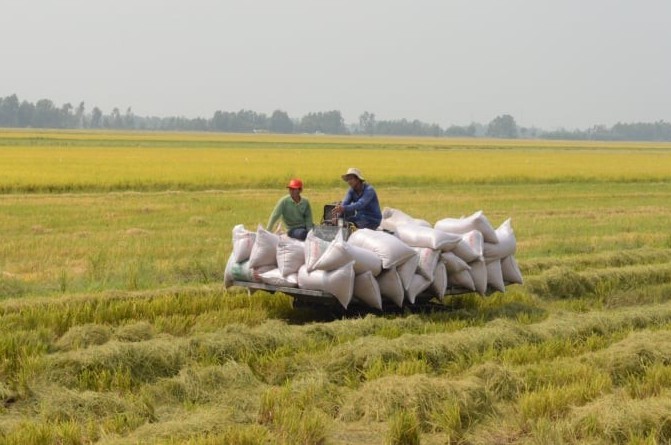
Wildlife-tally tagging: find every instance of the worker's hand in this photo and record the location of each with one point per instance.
(338, 209)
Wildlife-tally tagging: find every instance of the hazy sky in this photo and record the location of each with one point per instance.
(569, 63)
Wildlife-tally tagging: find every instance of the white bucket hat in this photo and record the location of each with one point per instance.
(353, 171)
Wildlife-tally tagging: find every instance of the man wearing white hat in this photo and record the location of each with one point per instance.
(360, 206)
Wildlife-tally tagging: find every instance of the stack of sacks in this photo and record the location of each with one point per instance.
(367, 267)
(264, 257)
(392, 218)
(410, 258)
(254, 253)
(391, 252)
(429, 244)
(502, 267)
(329, 267)
(442, 256)
(475, 230)
(477, 263)
(335, 267)
(462, 254)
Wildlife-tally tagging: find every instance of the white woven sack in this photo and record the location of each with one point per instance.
(264, 251)
(407, 270)
(438, 286)
(420, 236)
(511, 270)
(418, 284)
(477, 221)
(365, 260)
(391, 287)
(290, 255)
(470, 247)
(453, 263)
(462, 279)
(506, 245)
(367, 290)
(479, 273)
(334, 257)
(228, 272)
(243, 272)
(389, 249)
(428, 258)
(243, 241)
(495, 276)
(339, 282)
(392, 218)
(314, 248)
(275, 278)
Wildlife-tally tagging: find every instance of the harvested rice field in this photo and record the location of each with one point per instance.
(115, 326)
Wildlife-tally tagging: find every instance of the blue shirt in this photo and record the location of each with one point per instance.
(366, 205)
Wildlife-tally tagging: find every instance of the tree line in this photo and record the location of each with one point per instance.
(45, 114)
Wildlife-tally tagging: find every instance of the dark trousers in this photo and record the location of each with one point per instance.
(299, 233)
(362, 222)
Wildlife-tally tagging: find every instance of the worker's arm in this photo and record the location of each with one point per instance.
(275, 216)
(366, 198)
(340, 207)
(349, 197)
(308, 216)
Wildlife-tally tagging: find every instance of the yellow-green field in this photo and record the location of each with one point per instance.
(46, 162)
(115, 328)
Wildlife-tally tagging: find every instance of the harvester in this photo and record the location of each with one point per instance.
(406, 262)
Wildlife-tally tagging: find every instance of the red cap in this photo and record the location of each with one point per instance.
(295, 184)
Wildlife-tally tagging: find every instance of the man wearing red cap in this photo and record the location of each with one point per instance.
(294, 210)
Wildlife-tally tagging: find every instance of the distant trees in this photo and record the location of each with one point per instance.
(96, 117)
(129, 119)
(367, 123)
(115, 121)
(45, 114)
(26, 111)
(10, 111)
(405, 127)
(280, 122)
(640, 131)
(330, 122)
(457, 131)
(79, 115)
(244, 121)
(656, 131)
(503, 126)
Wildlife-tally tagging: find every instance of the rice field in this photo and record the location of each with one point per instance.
(115, 327)
(79, 162)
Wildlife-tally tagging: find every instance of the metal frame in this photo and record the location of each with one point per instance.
(325, 298)
(305, 295)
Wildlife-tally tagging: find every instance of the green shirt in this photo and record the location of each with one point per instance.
(294, 214)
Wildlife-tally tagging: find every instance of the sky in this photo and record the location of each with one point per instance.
(550, 64)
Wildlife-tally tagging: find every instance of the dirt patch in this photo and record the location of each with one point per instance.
(134, 231)
(39, 229)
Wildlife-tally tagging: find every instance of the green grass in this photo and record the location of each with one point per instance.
(115, 327)
(139, 241)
